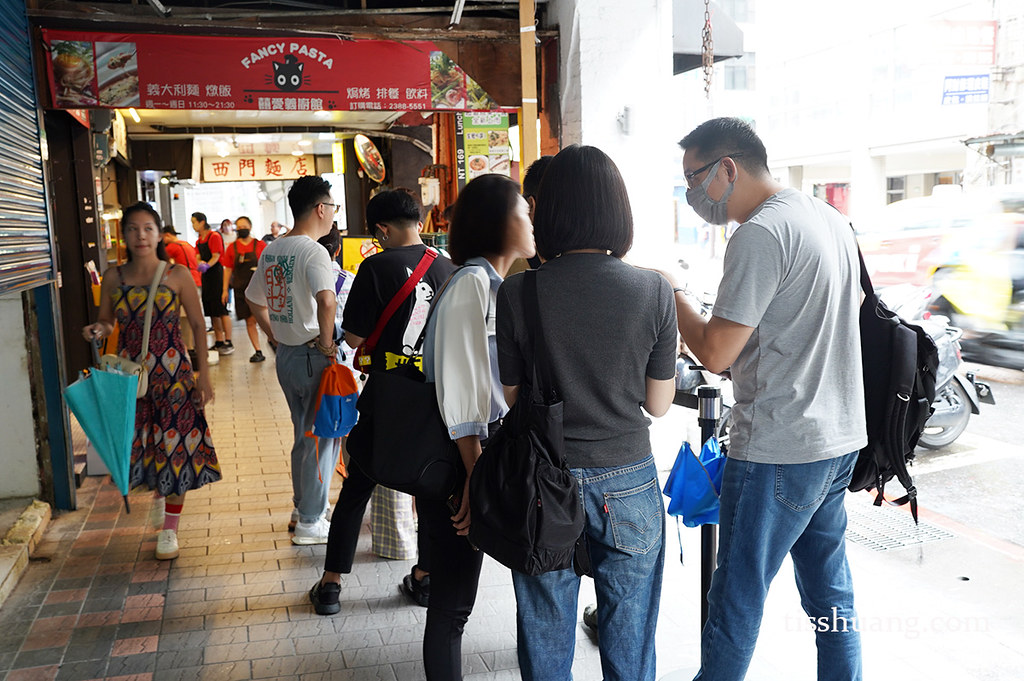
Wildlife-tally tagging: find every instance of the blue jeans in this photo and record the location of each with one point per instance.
(769, 510)
(625, 534)
(298, 371)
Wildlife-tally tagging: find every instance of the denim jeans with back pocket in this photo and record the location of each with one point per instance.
(625, 534)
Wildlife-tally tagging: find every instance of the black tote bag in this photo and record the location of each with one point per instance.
(524, 503)
(400, 440)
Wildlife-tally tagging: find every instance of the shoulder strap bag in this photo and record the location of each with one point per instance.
(401, 440)
(123, 365)
(363, 354)
(525, 506)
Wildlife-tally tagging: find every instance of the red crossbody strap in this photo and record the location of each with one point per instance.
(425, 262)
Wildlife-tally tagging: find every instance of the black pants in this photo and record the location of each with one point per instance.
(347, 521)
(454, 576)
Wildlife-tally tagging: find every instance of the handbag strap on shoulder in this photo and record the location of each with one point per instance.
(150, 299)
(433, 306)
(541, 359)
(421, 269)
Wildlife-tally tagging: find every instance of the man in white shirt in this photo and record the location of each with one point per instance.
(293, 299)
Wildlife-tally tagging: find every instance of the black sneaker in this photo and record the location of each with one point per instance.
(590, 617)
(227, 348)
(324, 598)
(217, 346)
(257, 357)
(417, 590)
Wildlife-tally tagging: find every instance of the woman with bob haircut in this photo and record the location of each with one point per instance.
(610, 332)
(172, 450)
(490, 229)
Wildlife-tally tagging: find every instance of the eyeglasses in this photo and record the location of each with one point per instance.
(335, 206)
(693, 174)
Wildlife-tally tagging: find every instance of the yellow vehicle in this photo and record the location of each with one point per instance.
(969, 246)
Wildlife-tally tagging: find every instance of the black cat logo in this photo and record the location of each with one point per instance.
(288, 75)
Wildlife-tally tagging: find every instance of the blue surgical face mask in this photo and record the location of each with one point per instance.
(709, 210)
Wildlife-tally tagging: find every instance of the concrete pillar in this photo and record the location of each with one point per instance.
(616, 60)
(867, 184)
(18, 451)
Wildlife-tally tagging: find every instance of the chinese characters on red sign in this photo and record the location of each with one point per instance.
(116, 70)
(256, 167)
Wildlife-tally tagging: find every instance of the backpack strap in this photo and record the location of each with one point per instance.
(865, 280)
(417, 274)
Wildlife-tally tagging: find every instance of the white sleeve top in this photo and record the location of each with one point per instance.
(460, 352)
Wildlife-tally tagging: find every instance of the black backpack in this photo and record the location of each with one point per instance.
(900, 361)
(524, 503)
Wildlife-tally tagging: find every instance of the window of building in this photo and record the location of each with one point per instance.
(738, 10)
(896, 189)
(739, 73)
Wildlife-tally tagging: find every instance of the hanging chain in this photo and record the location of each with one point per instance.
(707, 50)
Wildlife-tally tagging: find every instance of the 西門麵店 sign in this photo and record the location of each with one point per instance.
(115, 70)
(256, 167)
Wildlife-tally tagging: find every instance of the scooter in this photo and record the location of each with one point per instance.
(956, 396)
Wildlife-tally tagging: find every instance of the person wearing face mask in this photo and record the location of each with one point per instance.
(240, 260)
(786, 324)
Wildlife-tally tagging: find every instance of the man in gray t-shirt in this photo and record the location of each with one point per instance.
(786, 322)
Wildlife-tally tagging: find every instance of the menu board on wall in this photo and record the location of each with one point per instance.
(114, 70)
(482, 145)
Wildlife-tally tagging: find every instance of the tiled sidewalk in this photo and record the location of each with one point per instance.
(95, 604)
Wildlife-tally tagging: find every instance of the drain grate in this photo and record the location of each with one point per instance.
(886, 529)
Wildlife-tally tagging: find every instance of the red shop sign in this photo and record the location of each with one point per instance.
(116, 70)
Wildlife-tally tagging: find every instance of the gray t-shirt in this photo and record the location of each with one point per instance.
(608, 326)
(792, 273)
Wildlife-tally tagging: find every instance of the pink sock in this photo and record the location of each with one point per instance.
(172, 513)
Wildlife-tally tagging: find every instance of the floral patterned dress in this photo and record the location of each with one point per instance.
(172, 451)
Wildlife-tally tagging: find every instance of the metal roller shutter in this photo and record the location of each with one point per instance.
(26, 255)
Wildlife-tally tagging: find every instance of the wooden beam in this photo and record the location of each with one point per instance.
(528, 57)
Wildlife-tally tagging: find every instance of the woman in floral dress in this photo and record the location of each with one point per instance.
(172, 451)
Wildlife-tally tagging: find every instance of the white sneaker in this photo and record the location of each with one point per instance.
(295, 517)
(311, 533)
(156, 512)
(167, 545)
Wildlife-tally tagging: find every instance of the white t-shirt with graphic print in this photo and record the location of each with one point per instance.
(291, 271)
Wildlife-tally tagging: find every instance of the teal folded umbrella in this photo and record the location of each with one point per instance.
(104, 404)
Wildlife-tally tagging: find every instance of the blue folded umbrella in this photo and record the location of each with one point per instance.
(695, 483)
(104, 404)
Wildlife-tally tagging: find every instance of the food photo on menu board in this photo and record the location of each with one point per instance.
(452, 88)
(74, 73)
(486, 144)
(118, 74)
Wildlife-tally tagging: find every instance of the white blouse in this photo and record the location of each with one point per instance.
(460, 351)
